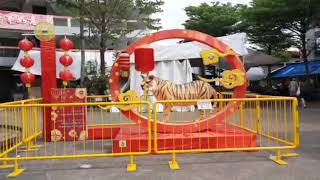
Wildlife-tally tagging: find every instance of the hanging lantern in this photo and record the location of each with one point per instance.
(124, 64)
(144, 62)
(27, 78)
(25, 45)
(66, 60)
(66, 44)
(66, 76)
(144, 59)
(27, 61)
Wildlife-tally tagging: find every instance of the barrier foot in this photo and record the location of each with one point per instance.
(173, 164)
(290, 155)
(277, 159)
(287, 153)
(5, 164)
(17, 171)
(131, 167)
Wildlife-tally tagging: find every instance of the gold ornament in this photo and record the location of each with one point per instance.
(230, 79)
(212, 56)
(44, 31)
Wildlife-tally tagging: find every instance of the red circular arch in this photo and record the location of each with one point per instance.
(234, 61)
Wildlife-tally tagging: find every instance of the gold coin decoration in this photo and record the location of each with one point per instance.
(44, 31)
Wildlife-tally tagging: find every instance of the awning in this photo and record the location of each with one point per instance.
(297, 69)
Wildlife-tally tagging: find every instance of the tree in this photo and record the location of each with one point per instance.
(265, 34)
(109, 19)
(216, 19)
(291, 19)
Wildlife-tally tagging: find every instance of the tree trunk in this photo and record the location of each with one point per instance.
(269, 49)
(83, 72)
(102, 60)
(305, 54)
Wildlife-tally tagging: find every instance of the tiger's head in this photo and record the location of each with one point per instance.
(150, 81)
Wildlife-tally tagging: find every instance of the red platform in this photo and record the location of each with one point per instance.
(133, 138)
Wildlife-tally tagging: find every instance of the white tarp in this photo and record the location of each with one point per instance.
(171, 62)
(177, 71)
(162, 53)
(74, 68)
(191, 50)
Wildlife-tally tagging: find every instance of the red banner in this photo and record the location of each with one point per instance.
(22, 21)
(68, 122)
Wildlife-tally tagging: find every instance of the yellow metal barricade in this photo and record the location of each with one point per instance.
(99, 129)
(249, 124)
(78, 130)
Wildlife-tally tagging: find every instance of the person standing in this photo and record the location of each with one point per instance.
(294, 91)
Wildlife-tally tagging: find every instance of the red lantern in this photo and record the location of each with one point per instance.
(27, 78)
(144, 59)
(27, 61)
(124, 64)
(66, 75)
(124, 61)
(66, 60)
(25, 45)
(66, 44)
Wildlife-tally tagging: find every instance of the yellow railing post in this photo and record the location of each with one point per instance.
(258, 116)
(16, 170)
(23, 118)
(155, 142)
(29, 131)
(173, 164)
(241, 115)
(295, 116)
(131, 166)
(295, 121)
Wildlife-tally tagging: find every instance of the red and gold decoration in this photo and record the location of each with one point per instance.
(144, 63)
(124, 64)
(68, 122)
(144, 59)
(27, 62)
(66, 60)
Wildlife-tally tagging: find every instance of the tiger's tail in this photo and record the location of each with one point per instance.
(207, 80)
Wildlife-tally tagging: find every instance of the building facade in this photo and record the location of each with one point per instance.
(18, 17)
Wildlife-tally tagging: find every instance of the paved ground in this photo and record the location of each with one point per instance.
(195, 166)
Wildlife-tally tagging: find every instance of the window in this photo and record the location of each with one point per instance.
(39, 10)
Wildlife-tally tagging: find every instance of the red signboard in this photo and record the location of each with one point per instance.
(22, 21)
(68, 123)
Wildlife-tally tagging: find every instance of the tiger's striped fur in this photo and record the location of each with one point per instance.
(167, 90)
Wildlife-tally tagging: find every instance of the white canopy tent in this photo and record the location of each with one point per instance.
(172, 61)
(75, 68)
(191, 50)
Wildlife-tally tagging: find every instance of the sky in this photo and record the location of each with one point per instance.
(173, 15)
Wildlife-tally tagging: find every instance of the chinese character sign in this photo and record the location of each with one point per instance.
(22, 21)
(68, 123)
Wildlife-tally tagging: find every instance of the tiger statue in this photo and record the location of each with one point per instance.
(167, 90)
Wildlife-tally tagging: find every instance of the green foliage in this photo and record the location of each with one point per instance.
(281, 23)
(283, 55)
(262, 31)
(109, 19)
(216, 19)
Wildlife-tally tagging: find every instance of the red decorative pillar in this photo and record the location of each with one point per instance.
(49, 81)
